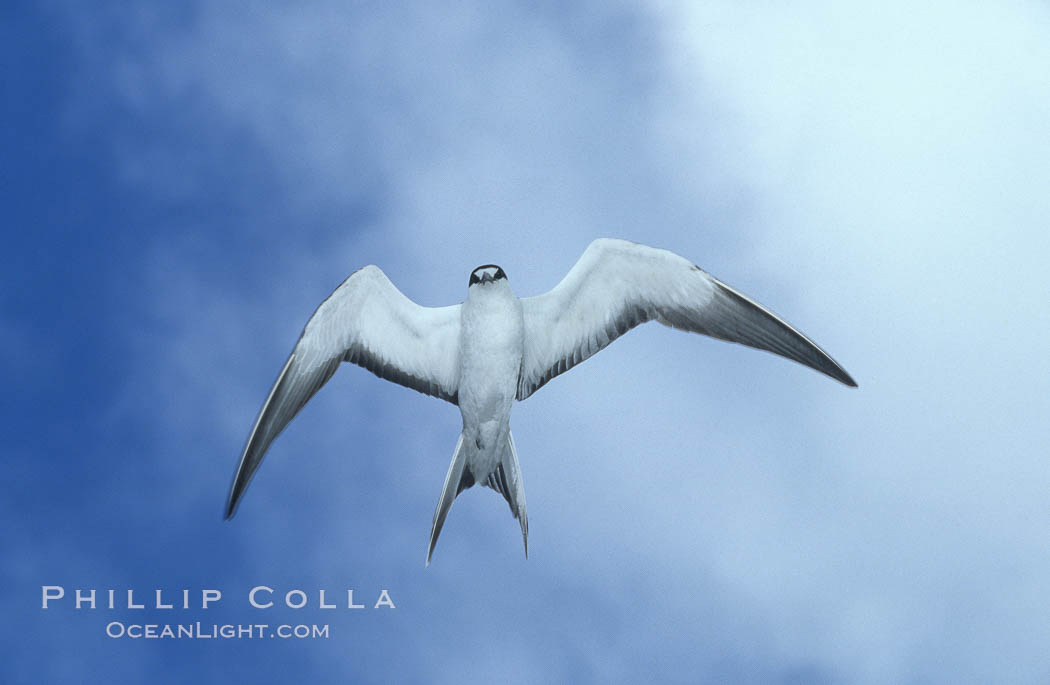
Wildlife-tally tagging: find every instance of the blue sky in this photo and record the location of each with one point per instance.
(184, 185)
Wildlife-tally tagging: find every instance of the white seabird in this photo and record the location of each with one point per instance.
(494, 348)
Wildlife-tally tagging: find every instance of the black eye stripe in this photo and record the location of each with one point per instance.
(475, 278)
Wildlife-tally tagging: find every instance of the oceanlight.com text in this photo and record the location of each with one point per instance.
(214, 631)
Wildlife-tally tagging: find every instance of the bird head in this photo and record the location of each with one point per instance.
(489, 273)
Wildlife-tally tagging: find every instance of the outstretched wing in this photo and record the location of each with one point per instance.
(369, 322)
(617, 285)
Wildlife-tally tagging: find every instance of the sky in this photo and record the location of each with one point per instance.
(184, 183)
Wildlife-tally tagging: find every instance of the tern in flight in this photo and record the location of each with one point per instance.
(495, 348)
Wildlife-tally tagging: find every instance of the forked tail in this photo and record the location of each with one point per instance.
(505, 479)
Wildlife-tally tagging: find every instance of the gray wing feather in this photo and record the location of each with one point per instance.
(734, 317)
(617, 285)
(293, 388)
(368, 322)
(365, 358)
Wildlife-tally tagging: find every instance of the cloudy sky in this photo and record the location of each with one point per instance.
(183, 185)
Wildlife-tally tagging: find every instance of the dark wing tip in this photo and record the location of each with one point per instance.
(252, 457)
(290, 392)
(231, 505)
(249, 462)
(240, 484)
(745, 321)
(839, 374)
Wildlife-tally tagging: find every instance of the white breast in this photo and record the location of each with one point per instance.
(491, 346)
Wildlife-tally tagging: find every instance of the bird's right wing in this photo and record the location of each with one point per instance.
(617, 285)
(369, 322)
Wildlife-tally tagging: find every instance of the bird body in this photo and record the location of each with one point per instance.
(494, 348)
(491, 344)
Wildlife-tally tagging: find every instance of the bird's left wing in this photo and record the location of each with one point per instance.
(369, 322)
(617, 285)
